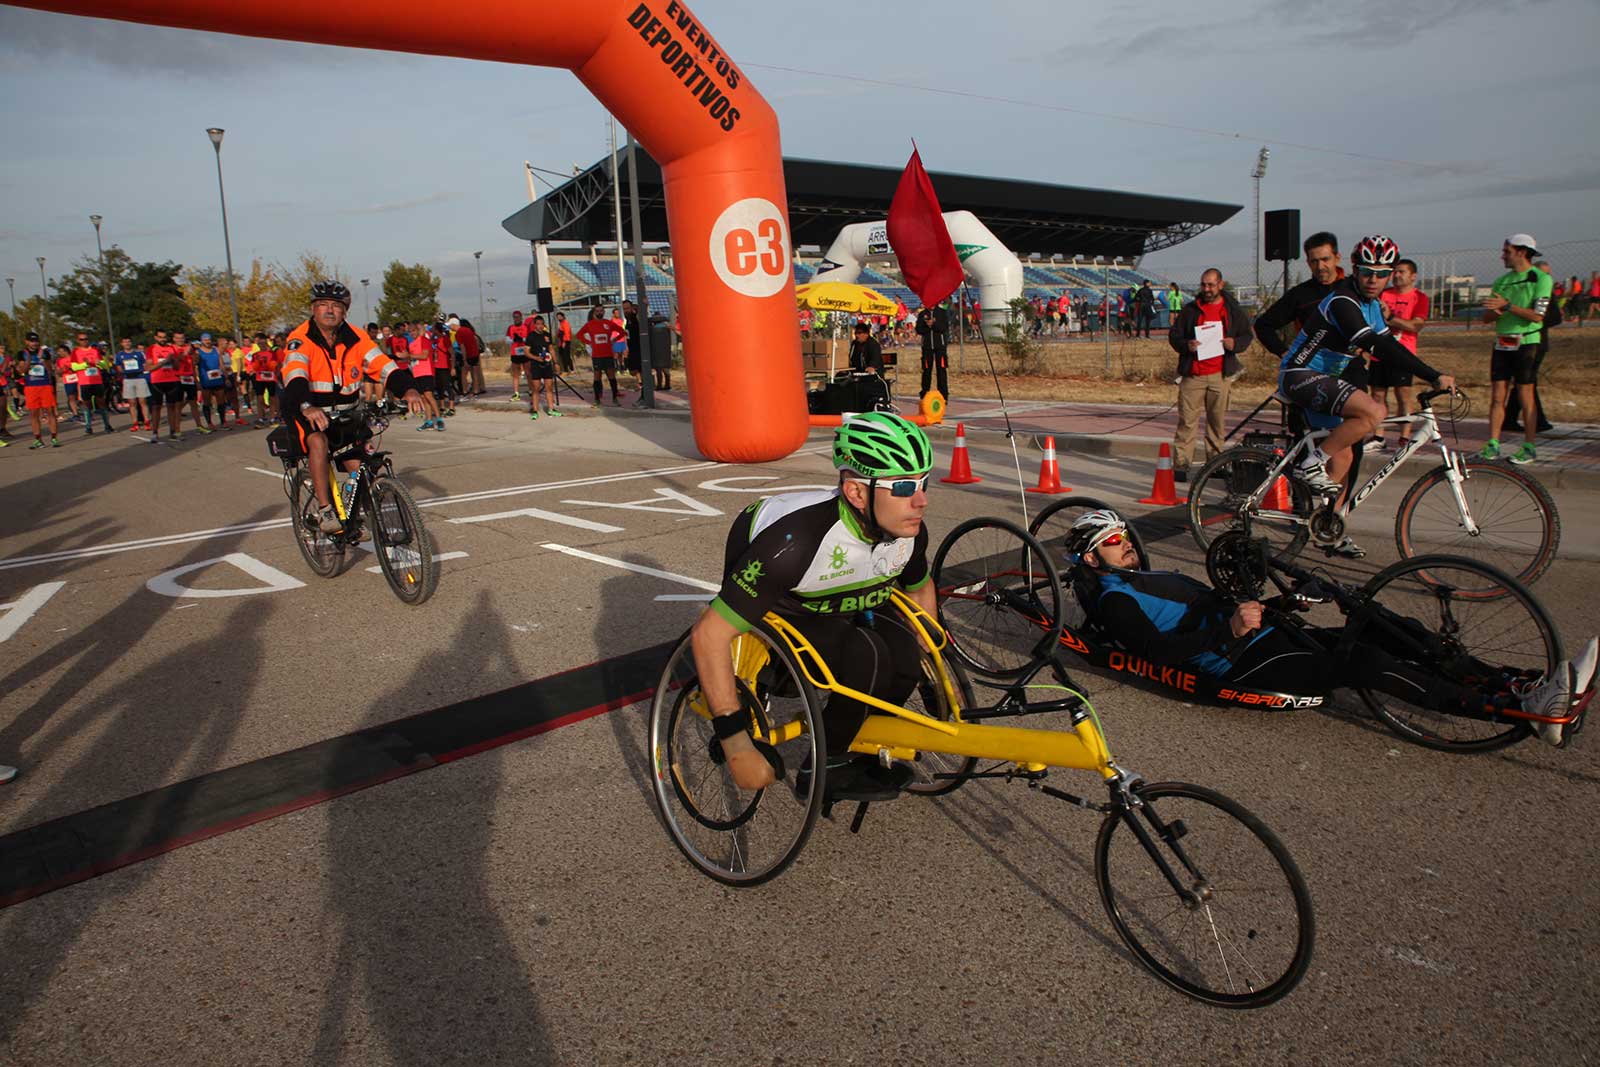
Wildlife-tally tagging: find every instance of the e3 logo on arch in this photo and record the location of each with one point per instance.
(750, 247)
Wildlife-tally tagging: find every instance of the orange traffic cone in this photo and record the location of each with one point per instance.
(1049, 473)
(1277, 498)
(960, 465)
(1164, 491)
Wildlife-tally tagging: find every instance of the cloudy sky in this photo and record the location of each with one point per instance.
(1446, 124)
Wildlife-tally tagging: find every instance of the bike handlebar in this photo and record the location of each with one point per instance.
(1425, 399)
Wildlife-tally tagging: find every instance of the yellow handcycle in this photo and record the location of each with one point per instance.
(1198, 888)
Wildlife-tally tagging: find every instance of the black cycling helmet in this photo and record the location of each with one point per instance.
(330, 289)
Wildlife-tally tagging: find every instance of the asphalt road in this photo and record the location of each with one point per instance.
(523, 905)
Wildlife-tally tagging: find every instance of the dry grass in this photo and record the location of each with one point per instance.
(1142, 372)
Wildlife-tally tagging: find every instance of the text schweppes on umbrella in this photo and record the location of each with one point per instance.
(696, 61)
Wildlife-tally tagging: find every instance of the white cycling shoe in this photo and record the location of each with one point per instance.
(1312, 472)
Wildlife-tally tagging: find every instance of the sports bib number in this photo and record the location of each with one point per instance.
(130, 365)
(1508, 342)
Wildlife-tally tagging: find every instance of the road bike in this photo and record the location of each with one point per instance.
(1482, 509)
(1200, 890)
(372, 499)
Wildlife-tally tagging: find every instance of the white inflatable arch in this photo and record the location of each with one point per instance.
(993, 267)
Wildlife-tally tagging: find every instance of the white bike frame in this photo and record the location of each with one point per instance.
(1455, 469)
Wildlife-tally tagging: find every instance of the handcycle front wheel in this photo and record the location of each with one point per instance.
(735, 836)
(322, 553)
(1462, 620)
(1241, 935)
(405, 552)
(1518, 525)
(1217, 495)
(999, 597)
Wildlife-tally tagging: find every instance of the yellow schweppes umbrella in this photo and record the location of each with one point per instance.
(842, 296)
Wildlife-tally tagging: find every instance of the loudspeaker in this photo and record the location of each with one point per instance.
(1282, 234)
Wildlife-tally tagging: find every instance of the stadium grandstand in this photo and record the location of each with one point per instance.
(1071, 239)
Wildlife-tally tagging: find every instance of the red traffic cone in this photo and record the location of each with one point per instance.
(1164, 491)
(960, 465)
(1277, 498)
(1049, 473)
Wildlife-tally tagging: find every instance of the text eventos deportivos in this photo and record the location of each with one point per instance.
(680, 59)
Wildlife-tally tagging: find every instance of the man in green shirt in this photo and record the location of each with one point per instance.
(1516, 305)
(1174, 302)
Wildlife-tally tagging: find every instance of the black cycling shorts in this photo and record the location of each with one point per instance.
(1315, 391)
(872, 652)
(167, 392)
(342, 433)
(605, 364)
(541, 370)
(1514, 365)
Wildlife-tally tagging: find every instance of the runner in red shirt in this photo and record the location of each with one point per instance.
(162, 361)
(263, 369)
(1406, 308)
(600, 336)
(69, 380)
(188, 381)
(85, 364)
(517, 338)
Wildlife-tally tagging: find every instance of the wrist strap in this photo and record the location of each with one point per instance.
(726, 726)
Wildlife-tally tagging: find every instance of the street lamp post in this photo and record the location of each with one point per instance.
(105, 284)
(1258, 173)
(366, 297)
(215, 133)
(477, 258)
(44, 298)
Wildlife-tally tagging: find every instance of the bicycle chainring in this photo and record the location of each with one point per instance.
(1327, 526)
(1236, 564)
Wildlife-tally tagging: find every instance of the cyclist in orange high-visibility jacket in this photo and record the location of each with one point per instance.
(323, 367)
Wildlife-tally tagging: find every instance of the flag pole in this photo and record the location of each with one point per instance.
(1006, 414)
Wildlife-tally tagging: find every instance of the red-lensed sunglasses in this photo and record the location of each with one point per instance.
(1114, 539)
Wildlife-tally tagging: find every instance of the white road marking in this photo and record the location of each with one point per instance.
(725, 485)
(25, 607)
(700, 598)
(637, 568)
(547, 516)
(657, 503)
(274, 581)
(438, 557)
(270, 474)
(280, 524)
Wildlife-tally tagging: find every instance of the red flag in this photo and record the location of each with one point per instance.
(917, 231)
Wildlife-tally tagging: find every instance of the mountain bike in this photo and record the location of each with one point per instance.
(1481, 509)
(371, 499)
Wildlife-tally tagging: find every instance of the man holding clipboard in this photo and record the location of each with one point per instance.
(1209, 335)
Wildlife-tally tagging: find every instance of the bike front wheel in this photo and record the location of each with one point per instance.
(1240, 932)
(1518, 528)
(405, 552)
(1217, 497)
(999, 597)
(322, 553)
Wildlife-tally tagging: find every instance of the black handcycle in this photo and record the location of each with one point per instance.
(373, 497)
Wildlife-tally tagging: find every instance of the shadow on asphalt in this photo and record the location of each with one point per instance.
(619, 613)
(425, 958)
(135, 745)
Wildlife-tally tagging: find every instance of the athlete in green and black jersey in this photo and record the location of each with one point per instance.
(824, 560)
(1516, 307)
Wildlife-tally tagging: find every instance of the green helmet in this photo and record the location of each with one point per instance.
(881, 444)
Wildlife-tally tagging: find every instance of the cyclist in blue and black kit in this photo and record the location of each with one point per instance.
(1323, 372)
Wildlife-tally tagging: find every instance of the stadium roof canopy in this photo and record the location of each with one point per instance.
(1030, 217)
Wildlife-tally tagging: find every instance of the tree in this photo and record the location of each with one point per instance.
(144, 297)
(291, 299)
(410, 294)
(206, 291)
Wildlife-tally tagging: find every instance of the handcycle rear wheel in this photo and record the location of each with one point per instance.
(405, 552)
(1415, 613)
(1244, 936)
(1052, 525)
(736, 836)
(1218, 492)
(1518, 525)
(322, 553)
(999, 597)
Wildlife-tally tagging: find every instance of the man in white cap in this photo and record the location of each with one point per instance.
(1516, 305)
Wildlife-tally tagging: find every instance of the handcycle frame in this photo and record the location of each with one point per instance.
(894, 732)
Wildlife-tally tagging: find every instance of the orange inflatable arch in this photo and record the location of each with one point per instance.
(654, 66)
